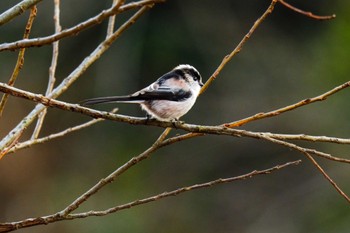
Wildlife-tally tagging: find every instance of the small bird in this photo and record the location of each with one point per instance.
(167, 99)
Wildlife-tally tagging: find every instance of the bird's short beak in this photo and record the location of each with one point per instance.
(201, 84)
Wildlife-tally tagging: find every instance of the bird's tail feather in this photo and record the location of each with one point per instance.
(111, 99)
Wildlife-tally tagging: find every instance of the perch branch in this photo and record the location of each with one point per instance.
(197, 130)
(272, 114)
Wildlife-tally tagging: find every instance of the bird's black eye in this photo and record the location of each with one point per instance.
(195, 75)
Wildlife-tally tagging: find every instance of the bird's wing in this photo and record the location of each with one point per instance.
(161, 93)
(147, 94)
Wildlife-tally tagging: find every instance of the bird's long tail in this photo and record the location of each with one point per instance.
(111, 99)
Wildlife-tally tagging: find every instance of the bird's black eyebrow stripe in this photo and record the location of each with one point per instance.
(177, 74)
(193, 73)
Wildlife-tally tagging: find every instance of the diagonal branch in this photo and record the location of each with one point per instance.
(306, 152)
(306, 13)
(299, 104)
(20, 58)
(11, 226)
(17, 10)
(183, 190)
(239, 47)
(29, 143)
(110, 178)
(111, 21)
(84, 65)
(52, 69)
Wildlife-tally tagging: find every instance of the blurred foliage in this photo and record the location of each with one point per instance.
(290, 57)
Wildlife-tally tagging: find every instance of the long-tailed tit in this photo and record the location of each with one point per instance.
(167, 99)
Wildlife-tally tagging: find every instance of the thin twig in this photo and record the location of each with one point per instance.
(52, 69)
(307, 154)
(29, 143)
(309, 138)
(7, 150)
(299, 104)
(307, 13)
(111, 21)
(244, 133)
(183, 190)
(20, 58)
(339, 190)
(239, 47)
(17, 10)
(78, 28)
(11, 226)
(133, 161)
(87, 62)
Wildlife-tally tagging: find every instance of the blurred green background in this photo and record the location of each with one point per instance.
(290, 57)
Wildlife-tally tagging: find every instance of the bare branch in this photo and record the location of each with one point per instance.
(101, 48)
(306, 13)
(244, 133)
(29, 143)
(20, 58)
(6, 150)
(78, 28)
(299, 104)
(52, 69)
(306, 152)
(133, 161)
(111, 21)
(239, 47)
(339, 190)
(184, 189)
(310, 138)
(11, 226)
(197, 130)
(272, 114)
(17, 10)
